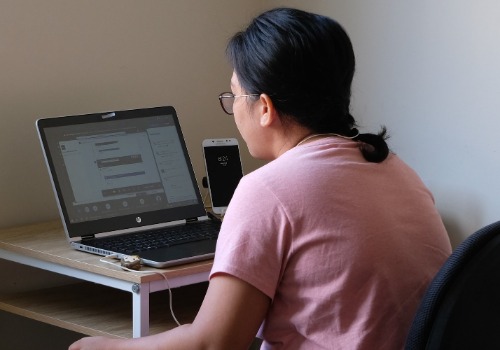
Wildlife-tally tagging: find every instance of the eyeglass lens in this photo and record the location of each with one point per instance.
(226, 102)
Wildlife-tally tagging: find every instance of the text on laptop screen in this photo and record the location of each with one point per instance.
(109, 169)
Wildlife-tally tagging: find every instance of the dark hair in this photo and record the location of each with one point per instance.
(305, 63)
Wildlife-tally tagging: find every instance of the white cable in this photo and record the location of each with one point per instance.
(157, 272)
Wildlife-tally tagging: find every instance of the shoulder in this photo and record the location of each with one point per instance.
(253, 240)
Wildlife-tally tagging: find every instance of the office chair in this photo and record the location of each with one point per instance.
(461, 307)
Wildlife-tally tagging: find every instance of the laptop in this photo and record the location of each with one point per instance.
(126, 176)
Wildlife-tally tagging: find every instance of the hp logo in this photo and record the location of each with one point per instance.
(138, 219)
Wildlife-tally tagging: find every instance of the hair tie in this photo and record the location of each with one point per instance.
(356, 133)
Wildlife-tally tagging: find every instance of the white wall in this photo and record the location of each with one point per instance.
(430, 71)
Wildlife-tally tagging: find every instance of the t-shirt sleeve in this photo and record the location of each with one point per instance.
(254, 241)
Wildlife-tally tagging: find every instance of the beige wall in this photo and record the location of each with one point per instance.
(67, 57)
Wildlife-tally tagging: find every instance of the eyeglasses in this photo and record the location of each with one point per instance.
(227, 100)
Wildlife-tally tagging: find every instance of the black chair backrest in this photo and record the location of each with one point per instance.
(461, 307)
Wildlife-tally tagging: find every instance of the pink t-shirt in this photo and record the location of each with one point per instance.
(344, 248)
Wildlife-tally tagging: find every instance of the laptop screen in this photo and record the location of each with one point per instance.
(118, 170)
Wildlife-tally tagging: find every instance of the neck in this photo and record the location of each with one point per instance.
(312, 136)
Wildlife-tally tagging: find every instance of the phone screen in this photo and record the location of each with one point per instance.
(223, 171)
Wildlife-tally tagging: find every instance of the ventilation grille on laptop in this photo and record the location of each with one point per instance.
(97, 251)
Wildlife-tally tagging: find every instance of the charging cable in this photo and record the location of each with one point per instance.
(104, 260)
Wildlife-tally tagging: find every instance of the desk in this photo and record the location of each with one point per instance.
(109, 301)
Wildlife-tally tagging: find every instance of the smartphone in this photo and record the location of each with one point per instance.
(224, 170)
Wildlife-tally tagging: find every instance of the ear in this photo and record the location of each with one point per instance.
(268, 114)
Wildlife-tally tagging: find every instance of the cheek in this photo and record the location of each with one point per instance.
(256, 144)
(249, 134)
(253, 134)
(243, 129)
(239, 126)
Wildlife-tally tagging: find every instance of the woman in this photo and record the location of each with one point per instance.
(332, 243)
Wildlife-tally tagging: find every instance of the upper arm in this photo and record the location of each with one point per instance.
(231, 313)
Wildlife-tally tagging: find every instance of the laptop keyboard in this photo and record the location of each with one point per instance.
(159, 238)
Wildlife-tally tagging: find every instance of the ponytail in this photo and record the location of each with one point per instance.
(373, 146)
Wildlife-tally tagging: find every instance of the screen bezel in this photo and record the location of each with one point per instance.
(122, 222)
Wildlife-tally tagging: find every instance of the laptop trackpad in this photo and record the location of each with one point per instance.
(181, 251)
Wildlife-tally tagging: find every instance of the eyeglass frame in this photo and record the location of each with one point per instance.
(228, 95)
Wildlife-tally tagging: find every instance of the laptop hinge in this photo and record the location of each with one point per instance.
(191, 220)
(87, 238)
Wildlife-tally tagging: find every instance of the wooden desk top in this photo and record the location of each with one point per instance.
(47, 242)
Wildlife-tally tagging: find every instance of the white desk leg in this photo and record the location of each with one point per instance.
(140, 310)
